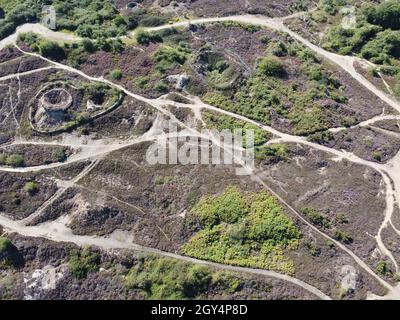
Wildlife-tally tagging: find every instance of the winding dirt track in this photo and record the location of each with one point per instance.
(390, 172)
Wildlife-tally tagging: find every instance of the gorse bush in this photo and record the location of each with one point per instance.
(246, 230)
(83, 262)
(168, 58)
(51, 50)
(91, 19)
(116, 74)
(376, 37)
(14, 160)
(386, 14)
(31, 187)
(271, 66)
(169, 279)
(145, 37)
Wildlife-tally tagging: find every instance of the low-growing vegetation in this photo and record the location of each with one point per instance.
(83, 262)
(31, 187)
(245, 230)
(169, 279)
(13, 160)
(223, 122)
(374, 35)
(268, 94)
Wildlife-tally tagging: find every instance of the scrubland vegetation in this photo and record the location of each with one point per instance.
(243, 229)
(268, 92)
(83, 262)
(375, 35)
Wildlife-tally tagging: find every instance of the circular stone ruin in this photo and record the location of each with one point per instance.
(57, 99)
(50, 107)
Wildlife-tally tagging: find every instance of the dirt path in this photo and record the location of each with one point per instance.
(42, 31)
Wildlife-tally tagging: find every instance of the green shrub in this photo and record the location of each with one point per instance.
(88, 45)
(5, 244)
(161, 87)
(315, 217)
(343, 236)
(145, 37)
(386, 14)
(169, 279)
(271, 66)
(15, 160)
(322, 137)
(168, 58)
(383, 268)
(31, 187)
(116, 74)
(83, 262)
(51, 50)
(227, 207)
(243, 230)
(10, 257)
(377, 155)
(59, 154)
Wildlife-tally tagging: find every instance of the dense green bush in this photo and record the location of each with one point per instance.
(31, 187)
(271, 66)
(59, 154)
(5, 244)
(88, 45)
(343, 236)
(17, 13)
(249, 230)
(169, 279)
(51, 50)
(275, 152)
(10, 257)
(316, 217)
(376, 38)
(386, 14)
(383, 47)
(15, 160)
(116, 74)
(383, 268)
(168, 58)
(92, 19)
(228, 208)
(145, 37)
(223, 122)
(83, 262)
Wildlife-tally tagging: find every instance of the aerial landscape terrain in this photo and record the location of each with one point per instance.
(88, 88)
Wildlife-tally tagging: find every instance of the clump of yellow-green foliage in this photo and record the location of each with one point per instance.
(243, 229)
